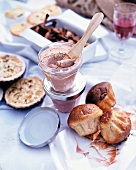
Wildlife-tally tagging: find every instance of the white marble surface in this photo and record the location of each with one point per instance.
(14, 154)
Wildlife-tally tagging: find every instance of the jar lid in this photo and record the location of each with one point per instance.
(74, 92)
(39, 127)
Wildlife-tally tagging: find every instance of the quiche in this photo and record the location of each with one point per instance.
(12, 67)
(25, 92)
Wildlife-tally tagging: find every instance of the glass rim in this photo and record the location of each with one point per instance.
(54, 71)
(52, 45)
(125, 3)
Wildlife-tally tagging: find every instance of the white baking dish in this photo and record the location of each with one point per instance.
(63, 21)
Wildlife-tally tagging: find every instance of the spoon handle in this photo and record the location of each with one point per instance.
(94, 23)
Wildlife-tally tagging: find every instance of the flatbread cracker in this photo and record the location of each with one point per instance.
(14, 13)
(36, 17)
(16, 29)
(52, 10)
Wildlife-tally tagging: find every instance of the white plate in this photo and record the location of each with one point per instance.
(73, 152)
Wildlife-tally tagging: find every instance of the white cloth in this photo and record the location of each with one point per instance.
(14, 154)
(66, 155)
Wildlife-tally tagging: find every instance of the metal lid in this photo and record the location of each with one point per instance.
(39, 127)
(76, 91)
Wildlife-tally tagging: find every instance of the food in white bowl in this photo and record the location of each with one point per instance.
(55, 31)
(59, 30)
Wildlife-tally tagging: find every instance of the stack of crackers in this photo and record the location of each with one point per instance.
(33, 18)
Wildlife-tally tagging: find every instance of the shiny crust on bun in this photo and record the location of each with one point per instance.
(84, 119)
(102, 95)
(115, 126)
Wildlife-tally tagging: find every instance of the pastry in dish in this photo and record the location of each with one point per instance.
(115, 126)
(11, 67)
(25, 92)
(85, 119)
(102, 95)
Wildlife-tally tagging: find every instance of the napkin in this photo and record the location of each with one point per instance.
(72, 152)
(21, 49)
(10, 120)
(14, 154)
(124, 83)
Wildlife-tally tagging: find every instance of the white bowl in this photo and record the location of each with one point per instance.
(38, 41)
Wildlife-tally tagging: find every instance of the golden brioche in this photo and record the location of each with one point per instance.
(115, 126)
(102, 95)
(84, 119)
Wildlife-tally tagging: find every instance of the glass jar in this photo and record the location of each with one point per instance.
(61, 79)
(65, 101)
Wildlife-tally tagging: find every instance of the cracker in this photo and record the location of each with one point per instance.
(16, 29)
(51, 10)
(14, 13)
(36, 17)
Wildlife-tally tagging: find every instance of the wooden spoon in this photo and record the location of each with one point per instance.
(77, 49)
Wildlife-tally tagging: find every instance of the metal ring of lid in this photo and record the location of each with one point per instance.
(76, 91)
